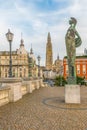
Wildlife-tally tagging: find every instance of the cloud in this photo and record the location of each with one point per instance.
(35, 18)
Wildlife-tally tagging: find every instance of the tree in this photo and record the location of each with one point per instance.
(60, 81)
(80, 80)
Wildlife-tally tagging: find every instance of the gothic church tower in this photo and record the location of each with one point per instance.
(49, 54)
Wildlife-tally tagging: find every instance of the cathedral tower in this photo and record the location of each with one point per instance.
(49, 54)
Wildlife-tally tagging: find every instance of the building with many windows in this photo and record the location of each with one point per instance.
(81, 66)
(20, 63)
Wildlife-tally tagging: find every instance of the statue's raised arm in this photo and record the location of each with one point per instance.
(72, 40)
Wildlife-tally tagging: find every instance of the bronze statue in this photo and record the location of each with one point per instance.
(72, 40)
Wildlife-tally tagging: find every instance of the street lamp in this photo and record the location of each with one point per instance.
(9, 37)
(39, 58)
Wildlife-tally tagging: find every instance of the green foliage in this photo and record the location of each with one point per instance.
(80, 80)
(60, 81)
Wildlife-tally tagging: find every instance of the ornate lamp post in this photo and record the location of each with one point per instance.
(9, 37)
(39, 58)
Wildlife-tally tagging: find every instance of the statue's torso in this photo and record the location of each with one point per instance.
(70, 33)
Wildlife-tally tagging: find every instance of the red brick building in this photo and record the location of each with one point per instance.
(81, 66)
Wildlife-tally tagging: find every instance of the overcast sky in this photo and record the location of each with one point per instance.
(35, 18)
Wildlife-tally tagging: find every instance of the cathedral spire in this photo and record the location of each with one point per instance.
(49, 53)
(22, 41)
(49, 37)
(31, 50)
(58, 57)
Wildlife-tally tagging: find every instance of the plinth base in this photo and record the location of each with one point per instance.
(72, 93)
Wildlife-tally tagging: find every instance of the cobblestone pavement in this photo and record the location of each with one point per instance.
(30, 113)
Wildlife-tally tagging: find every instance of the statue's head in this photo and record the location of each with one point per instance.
(72, 21)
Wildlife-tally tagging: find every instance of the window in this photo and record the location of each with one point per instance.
(6, 70)
(78, 69)
(84, 69)
(13, 69)
(5, 57)
(13, 74)
(20, 69)
(20, 74)
(13, 57)
(24, 72)
(5, 74)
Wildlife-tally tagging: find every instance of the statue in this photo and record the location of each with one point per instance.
(72, 40)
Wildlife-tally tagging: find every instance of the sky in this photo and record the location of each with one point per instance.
(35, 18)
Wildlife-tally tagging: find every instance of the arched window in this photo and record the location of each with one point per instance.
(5, 74)
(24, 72)
(5, 70)
(20, 69)
(20, 74)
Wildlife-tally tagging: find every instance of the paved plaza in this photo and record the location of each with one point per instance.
(45, 109)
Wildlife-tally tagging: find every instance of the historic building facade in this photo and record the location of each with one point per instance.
(20, 63)
(81, 66)
(58, 66)
(49, 53)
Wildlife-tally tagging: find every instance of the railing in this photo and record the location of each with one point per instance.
(13, 89)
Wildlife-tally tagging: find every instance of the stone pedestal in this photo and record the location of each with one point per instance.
(72, 93)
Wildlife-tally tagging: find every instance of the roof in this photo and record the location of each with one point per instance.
(78, 57)
(7, 52)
